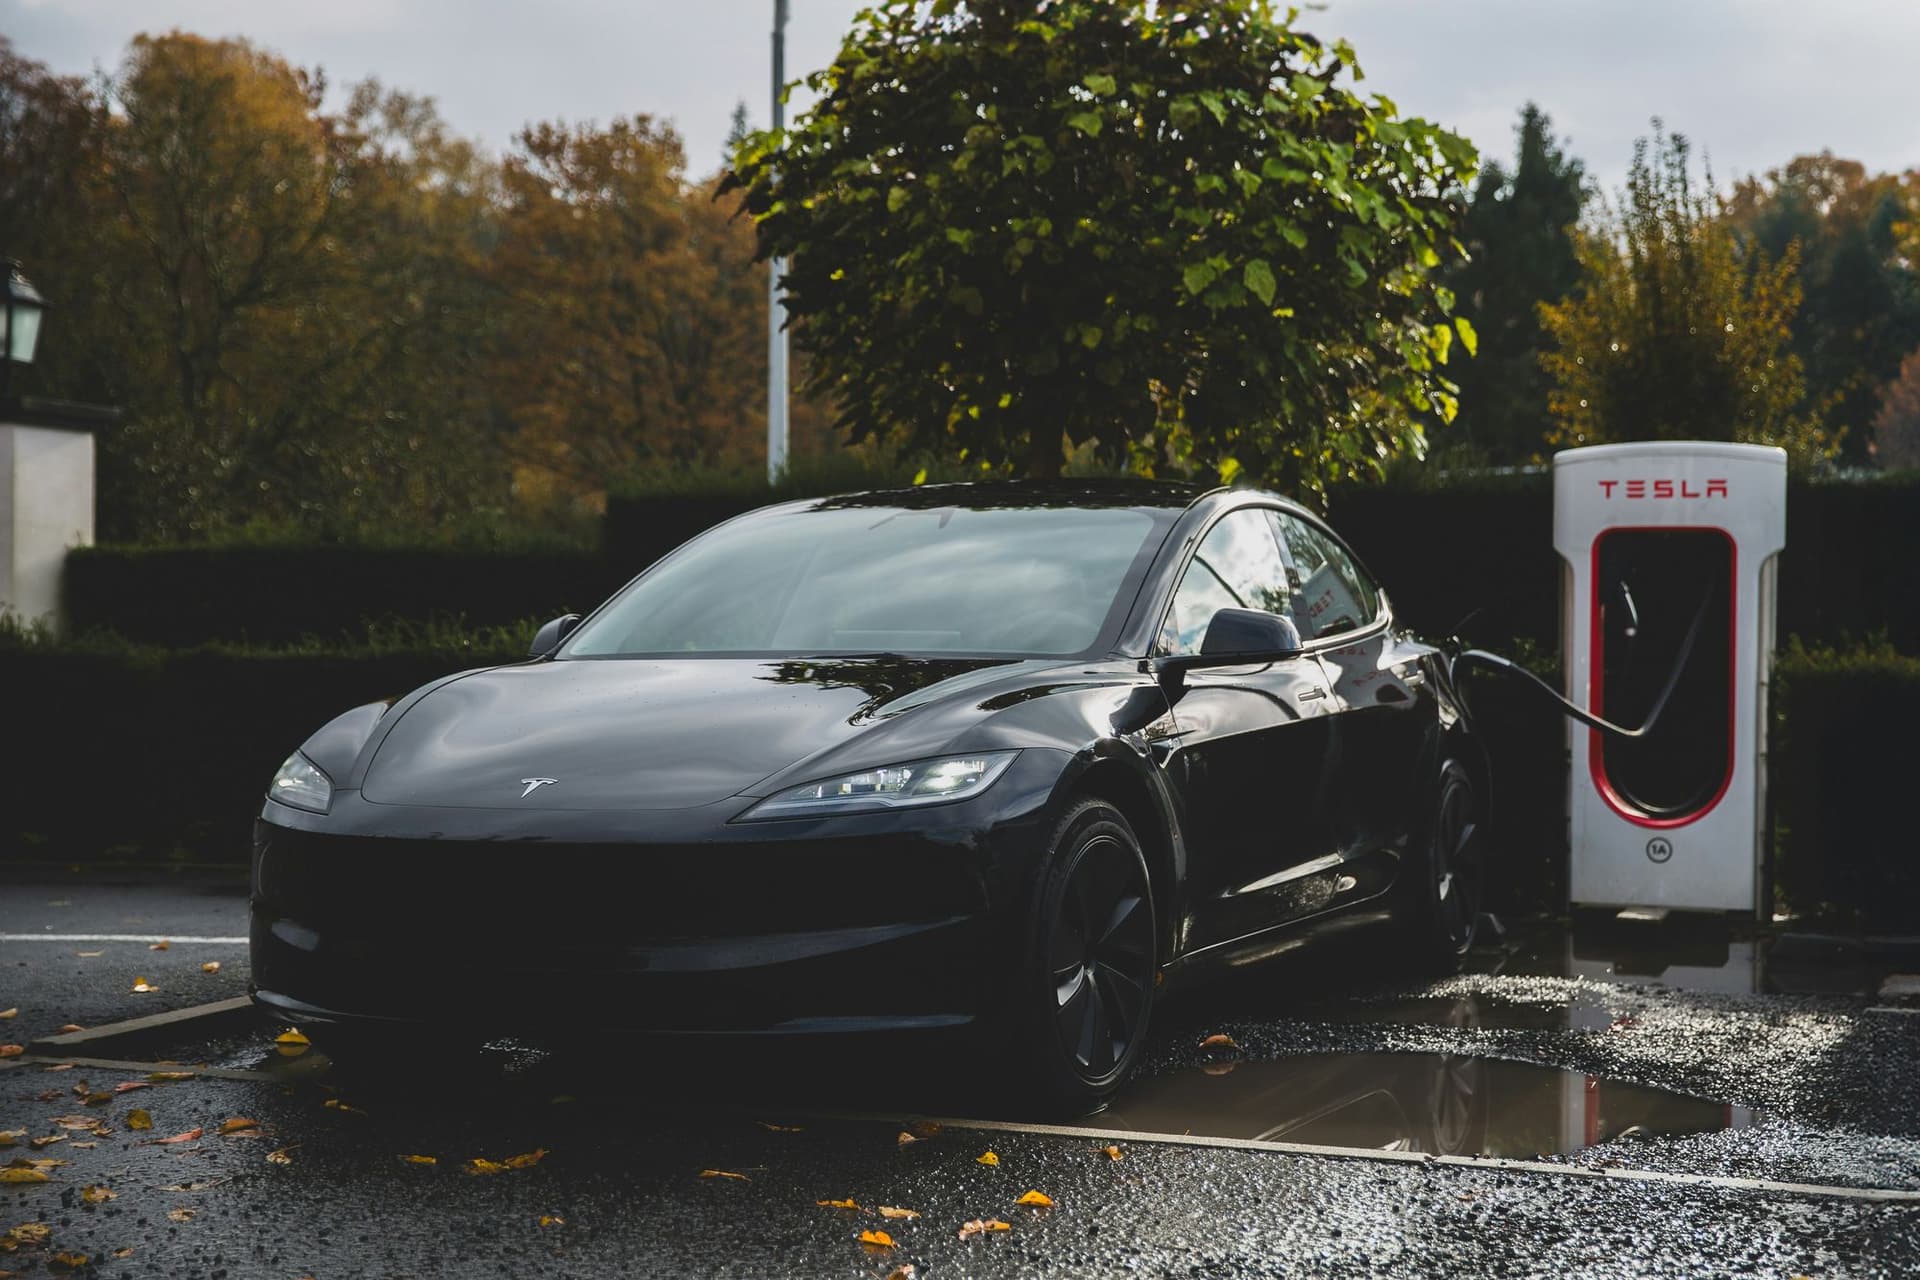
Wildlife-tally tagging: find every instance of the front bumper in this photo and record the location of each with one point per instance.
(837, 931)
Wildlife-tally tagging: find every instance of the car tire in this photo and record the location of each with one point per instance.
(1445, 885)
(1091, 960)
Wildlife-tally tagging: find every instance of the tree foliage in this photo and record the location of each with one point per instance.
(1520, 233)
(1168, 230)
(1861, 311)
(1896, 424)
(1677, 331)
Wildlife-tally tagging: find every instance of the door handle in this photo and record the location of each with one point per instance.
(1309, 694)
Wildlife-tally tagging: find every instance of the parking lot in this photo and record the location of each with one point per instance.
(1605, 1101)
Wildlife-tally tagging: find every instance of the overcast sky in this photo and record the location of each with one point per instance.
(1753, 82)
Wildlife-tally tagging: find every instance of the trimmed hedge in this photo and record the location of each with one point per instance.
(1842, 757)
(117, 751)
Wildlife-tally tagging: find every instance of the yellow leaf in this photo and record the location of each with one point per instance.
(989, 1159)
(238, 1124)
(42, 1163)
(1113, 1153)
(779, 1128)
(421, 1159)
(161, 945)
(876, 1240)
(526, 1160)
(137, 1119)
(291, 1036)
(290, 1043)
(22, 1175)
(978, 1227)
(12, 1050)
(1220, 1041)
(905, 1138)
(836, 1204)
(477, 1165)
(211, 966)
(164, 1077)
(334, 1104)
(722, 1173)
(66, 1261)
(97, 1195)
(69, 1029)
(888, 1211)
(8, 1013)
(1038, 1199)
(9, 1136)
(283, 1156)
(552, 1220)
(141, 986)
(88, 955)
(124, 1253)
(75, 1122)
(49, 1140)
(29, 1234)
(191, 1135)
(180, 1215)
(904, 1271)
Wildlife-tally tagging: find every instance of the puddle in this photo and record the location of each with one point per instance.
(1439, 1103)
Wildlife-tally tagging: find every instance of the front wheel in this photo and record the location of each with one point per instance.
(1087, 981)
(1445, 884)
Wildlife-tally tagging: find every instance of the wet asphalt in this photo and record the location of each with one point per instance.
(1652, 1051)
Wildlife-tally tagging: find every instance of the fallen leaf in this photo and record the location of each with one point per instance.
(97, 1195)
(421, 1159)
(12, 1050)
(1220, 1041)
(69, 1029)
(927, 1128)
(180, 1215)
(477, 1165)
(141, 986)
(238, 1124)
(49, 1140)
(888, 1211)
(779, 1128)
(10, 1136)
(1113, 1153)
(191, 1135)
(128, 1086)
(552, 1220)
(905, 1138)
(290, 1043)
(876, 1240)
(161, 945)
(526, 1160)
(36, 1162)
(283, 1156)
(75, 1122)
(904, 1271)
(124, 1253)
(28, 1234)
(167, 1077)
(11, 1174)
(57, 1066)
(88, 955)
(988, 1159)
(1036, 1199)
(48, 1095)
(66, 1261)
(8, 1013)
(836, 1204)
(138, 1119)
(334, 1104)
(722, 1173)
(211, 966)
(207, 1184)
(88, 1146)
(978, 1227)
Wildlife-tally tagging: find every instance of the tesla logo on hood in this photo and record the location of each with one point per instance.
(534, 784)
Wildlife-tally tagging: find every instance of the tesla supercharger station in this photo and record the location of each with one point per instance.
(1652, 535)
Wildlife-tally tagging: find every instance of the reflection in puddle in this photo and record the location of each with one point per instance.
(1440, 1103)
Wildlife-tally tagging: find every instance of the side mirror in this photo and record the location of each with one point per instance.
(1235, 637)
(548, 637)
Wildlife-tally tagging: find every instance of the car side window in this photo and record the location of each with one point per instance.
(1238, 566)
(1335, 596)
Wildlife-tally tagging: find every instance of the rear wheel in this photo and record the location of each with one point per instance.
(1087, 983)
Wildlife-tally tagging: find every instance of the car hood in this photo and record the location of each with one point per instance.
(634, 733)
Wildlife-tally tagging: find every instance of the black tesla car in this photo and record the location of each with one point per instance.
(1000, 756)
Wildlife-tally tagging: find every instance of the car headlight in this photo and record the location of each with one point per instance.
(301, 784)
(894, 787)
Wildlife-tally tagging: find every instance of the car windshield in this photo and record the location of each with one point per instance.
(863, 579)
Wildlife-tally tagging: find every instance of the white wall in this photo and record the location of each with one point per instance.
(46, 507)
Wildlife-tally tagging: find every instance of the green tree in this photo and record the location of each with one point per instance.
(1675, 331)
(1166, 229)
(1520, 233)
(1861, 312)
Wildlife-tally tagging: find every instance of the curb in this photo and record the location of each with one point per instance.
(199, 1018)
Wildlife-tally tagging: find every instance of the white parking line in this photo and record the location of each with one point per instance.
(184, 939)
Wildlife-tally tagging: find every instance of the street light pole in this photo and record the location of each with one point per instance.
(776, 299)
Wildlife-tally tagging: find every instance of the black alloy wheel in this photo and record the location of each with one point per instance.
(1453, 884)
(1091, 960)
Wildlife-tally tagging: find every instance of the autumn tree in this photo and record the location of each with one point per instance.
(1896, 425)
(1171, 230)
(1519, 230)
(1677, 331)
(1861, 310)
